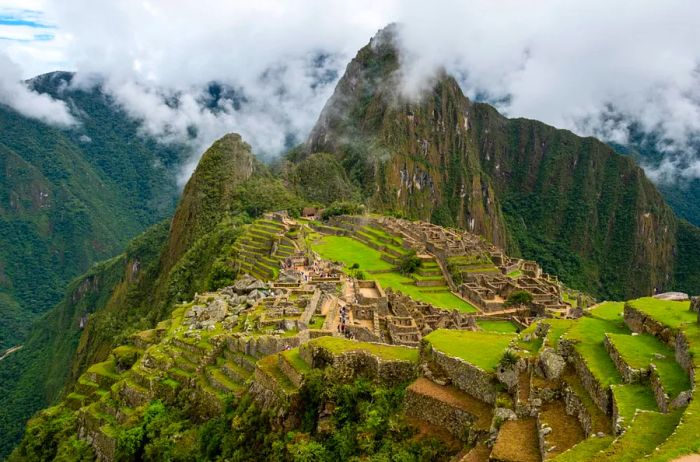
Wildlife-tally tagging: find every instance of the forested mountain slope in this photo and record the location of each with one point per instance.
(71, 197)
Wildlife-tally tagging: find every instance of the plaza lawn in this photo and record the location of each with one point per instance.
(611, 311)
(348, 251)
(672, 314)
(490, 325)
(640, 351)
(482, 349)
(390, 352)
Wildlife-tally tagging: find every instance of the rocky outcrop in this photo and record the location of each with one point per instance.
(551, 363)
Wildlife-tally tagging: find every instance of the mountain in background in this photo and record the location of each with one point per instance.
(682, 194)
(588, 214)
(71, 197)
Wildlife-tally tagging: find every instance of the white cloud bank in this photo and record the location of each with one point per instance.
(592, 66)
(14, 93)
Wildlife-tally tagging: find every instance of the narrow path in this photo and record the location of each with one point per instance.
(9, 351)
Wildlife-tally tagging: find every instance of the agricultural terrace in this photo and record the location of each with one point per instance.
(482, 349)
(350, 251)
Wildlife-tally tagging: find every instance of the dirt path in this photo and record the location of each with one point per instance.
(9, 351)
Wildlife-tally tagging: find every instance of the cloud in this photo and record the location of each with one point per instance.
(14, 93)
(572, 64)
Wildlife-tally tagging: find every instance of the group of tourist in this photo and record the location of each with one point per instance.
(342, 325)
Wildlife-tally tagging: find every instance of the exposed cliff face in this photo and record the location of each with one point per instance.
(593, 204)
(587, 213)
(417, 157)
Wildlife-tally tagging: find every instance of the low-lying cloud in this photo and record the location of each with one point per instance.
(587, 65)
(15, 94)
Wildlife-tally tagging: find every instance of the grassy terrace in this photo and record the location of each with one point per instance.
(640, 351)
(350, 251)
(630, 397)
(557, 328)
(672, 314)
(647, 431)
(585, 450)
(293, 357)
(489, 325)
(686, 438)
(588, 333)
(611, 311)
(339, 345)
(482, 349)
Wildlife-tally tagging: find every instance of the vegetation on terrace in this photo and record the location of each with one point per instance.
(482, 349)
(350, 251)
(640, 351)
(340, 345)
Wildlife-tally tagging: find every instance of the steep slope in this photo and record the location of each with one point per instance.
(588, 214)
(134, 291)
(71, 197)
(421, 159)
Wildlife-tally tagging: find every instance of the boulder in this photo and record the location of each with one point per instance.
(672, 296)
(552, 364)
(508, 376)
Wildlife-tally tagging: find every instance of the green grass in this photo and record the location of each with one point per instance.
(647, 431)
(639, 352)
(317, 322)
(497, 326)
(515, 274)
(105, 368)
(585, 450)
(630, 397)
(482, 349)
(350, 251)
(390, 352)
(589, 333)
(672, 314)
(557, 328)
(296, 360)
(611, 311)
(686, 438)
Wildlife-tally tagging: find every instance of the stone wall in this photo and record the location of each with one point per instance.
(467, 377)
(261, 346)
(619, 425)
(628, 373)
(601, 395)
(457, 421)
(350, 364)
(310, 310)
(576, 407)
(639, 322)
(663, 400)
(292, 374)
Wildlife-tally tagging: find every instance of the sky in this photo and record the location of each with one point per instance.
(595, 67)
